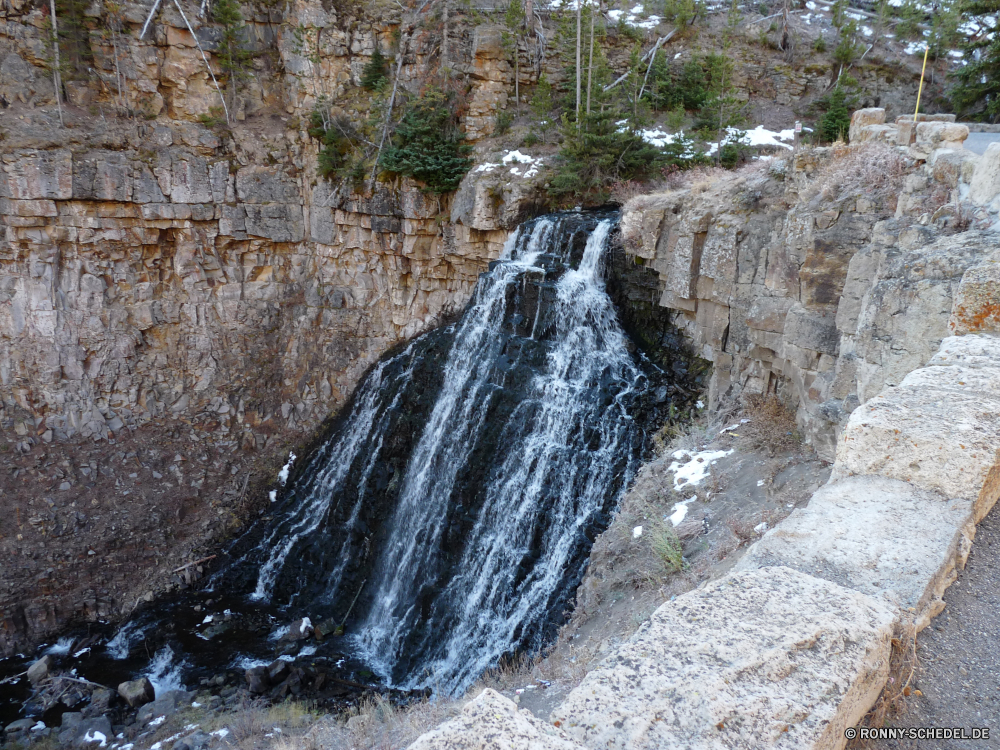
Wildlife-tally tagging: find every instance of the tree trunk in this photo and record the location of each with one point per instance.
(444, 45)
(56, 76)
(579, 6)
(590, 62)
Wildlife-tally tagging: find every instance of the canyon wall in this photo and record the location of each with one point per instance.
(812, 277)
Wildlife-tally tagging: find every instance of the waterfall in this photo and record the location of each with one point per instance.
(458, 498)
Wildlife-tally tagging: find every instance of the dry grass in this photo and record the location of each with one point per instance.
(375, 724)
(872, 169)
(771, 427)
(891, 702)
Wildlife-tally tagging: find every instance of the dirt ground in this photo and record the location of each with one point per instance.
(87, 527)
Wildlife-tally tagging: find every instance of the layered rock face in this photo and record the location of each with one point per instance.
(132, 290)
(801, 278)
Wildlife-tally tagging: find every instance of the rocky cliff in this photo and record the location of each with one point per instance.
(827, 275)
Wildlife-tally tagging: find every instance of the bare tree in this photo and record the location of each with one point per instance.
(579, 6)
(590, 62)
(57, 77)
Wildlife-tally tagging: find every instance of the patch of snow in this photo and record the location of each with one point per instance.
(208, 619)
(957, 54)
(221, 733)
(700, 404)
(637, 532)
(760, 482)
(915, 48)
(761, 527)
(811, 5)
(306, 626)
(487, 167)
(93, 735)
(693, 472)
(680, 510)
(867, 30)
(283, 474)
(272, 496)
(38, 727)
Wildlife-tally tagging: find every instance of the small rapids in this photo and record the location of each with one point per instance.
(446, 518)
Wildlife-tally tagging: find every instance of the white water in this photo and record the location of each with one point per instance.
(363, 422)
(491, 598)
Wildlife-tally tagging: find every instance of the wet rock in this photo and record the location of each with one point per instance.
(256, 678)
(326, 627)
(100, 701)
(40, 670)
(137, 692)
(277, 671)
(19, 727)
(299, 630)
(166, 705)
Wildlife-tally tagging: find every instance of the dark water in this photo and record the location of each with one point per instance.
(447, 517)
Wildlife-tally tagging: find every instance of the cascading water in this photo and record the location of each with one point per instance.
(447, 517)
(521, 446)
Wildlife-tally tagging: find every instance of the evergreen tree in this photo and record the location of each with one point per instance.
(978, 90)
(374, 75)
(428, 145)
(836, 121)
(234, 57)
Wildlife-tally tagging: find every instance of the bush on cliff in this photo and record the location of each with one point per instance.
(428, 146)
(374, 75)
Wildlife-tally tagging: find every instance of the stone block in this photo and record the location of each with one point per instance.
(972, 350)
(943, 439)
(265, 185)
(976, 306)
(860, 532)
(863, 118)
(37, 174)
(279, 222)
(809, 329)
(769, 313)
(102, 176)
(768, 658)
(492, 722)
(189, 180)
(985, 183)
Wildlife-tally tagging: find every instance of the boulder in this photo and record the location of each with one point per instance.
(256, 678)
(985, 183)
(859, 533)
(40, 670)
(976, 308)
(277, 671)
(863, 118)
(19, 727)
(492, 722)
(137, 692)
(768, 658)
(165, 705)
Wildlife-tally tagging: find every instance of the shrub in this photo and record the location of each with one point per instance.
(820, 44)
(771, 427)
(667, 547)
(873, 169)
(505, 118)
(428, 146)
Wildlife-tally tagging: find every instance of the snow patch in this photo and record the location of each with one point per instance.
(283, 474)
(693, 472)
(680, 510)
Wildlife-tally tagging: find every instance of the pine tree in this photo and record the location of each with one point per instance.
(428, 145)
(837, 120)
(374, 75)
(234, 57)
(978, 90)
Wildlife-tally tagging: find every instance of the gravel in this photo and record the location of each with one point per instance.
(958, 654)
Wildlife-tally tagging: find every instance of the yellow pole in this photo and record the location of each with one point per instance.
(921, 89)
